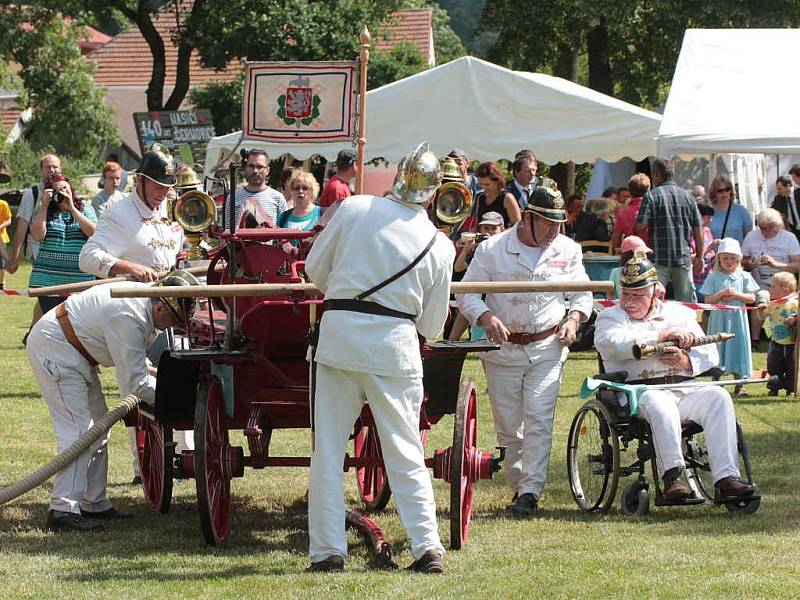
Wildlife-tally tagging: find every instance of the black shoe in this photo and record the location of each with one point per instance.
(430, 562)
(525, 506)
(137, 480)
(333, 564)
(773, 392)
(111, 513)
(64, 521)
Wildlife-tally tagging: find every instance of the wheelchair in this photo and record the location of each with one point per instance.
(605, 443)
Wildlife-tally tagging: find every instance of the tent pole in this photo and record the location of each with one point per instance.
(365, 39)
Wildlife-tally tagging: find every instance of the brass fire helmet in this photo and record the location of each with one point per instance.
(418, 176)
(181, 308)
(454, 198)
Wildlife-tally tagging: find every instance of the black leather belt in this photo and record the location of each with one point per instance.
(367, 307)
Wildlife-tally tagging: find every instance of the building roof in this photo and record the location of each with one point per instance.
(9, 117)
(126, 58)
(94, 40)
(414, 25)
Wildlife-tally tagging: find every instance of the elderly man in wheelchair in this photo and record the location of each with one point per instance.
(683, 424)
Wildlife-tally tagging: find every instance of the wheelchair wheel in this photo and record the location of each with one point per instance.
(593, 457)
(746, 506)
(698, 469)
(635, 500)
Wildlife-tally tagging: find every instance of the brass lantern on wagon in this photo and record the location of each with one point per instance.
(194, 211)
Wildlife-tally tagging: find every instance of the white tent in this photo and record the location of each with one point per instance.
(734, 91)
(490, 111)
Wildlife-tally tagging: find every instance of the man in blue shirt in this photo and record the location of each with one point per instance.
(670, 215)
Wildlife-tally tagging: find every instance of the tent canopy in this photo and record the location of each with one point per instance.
(733, 91)
(491, 112)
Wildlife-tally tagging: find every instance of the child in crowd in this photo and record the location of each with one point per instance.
(709, 250)
(729, 284)
(780, 326)
(5, 221)
(491, 223)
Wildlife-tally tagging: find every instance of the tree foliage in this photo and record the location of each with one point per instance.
(306, 39)
(630, 46)
(55, 81)
(284, 29)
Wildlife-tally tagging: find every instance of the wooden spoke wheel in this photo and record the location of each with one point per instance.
(373, 484)
(463, 463)
(156, 451)
(211, 456)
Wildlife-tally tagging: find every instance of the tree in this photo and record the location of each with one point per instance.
(56, 82)
(302, 41)
(629, 47)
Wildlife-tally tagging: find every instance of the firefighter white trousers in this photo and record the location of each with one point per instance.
(395, 405)
(74, 397)
(709, 407)
(523, 400)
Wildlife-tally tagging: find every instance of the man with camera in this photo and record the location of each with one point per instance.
(490, 224)
(534, 330)
(49, 165)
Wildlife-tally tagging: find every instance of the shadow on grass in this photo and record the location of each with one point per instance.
(253, 529)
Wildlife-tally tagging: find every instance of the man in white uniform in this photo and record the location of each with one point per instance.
(137, 237)
(535, 331)
(64, 349)
(368, 348)
(642, 318)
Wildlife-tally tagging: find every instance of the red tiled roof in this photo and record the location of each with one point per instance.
(126, 59)
(414, 25)
(94, 40)
(9, 117)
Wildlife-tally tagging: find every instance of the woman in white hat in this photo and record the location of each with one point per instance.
(729, 284)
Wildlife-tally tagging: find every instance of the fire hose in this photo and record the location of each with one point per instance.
(71, 454)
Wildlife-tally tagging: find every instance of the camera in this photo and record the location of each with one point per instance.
(58, 197)
(480, 237)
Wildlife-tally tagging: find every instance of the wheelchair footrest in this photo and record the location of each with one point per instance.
(720, 500)
(690, 501)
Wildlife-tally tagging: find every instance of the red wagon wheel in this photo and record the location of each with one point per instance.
(463, 463)
(373, 484)
(156, 451)
(212, 471)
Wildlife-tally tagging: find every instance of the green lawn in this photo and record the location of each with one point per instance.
(690, 552)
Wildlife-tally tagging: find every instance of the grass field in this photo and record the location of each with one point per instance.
(698, 552)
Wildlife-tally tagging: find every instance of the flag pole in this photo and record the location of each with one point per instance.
(365, 39)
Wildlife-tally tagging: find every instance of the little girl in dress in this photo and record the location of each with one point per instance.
(729, 284)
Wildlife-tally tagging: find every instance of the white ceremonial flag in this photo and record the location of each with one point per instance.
(300, 101)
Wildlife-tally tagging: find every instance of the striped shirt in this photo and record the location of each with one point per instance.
(670, 213)
(57, 261)
(271, 202)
